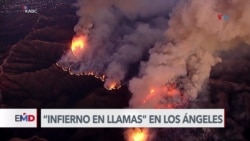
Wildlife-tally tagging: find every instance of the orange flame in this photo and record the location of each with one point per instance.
(102, 77)
(170, 91)
(137, 134)
(111, 85)
(78, 44)
(151, 94)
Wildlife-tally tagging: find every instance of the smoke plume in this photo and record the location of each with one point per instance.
(193, 39)
(119, 34)
(183, 45)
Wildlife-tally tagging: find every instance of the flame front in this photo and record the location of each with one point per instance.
(169, 95)
(78, 44)
(137, 134)
(111, 84)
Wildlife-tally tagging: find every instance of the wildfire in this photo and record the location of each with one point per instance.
(137, 134)
(170, 93)
(102, 77)
(78, 44)
(171, 89)
(151, 94)
(111, 84)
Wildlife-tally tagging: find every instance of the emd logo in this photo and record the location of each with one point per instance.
(24, 118)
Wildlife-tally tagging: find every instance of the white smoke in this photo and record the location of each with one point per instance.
(195, 35)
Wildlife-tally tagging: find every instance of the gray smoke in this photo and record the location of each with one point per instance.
(119, 34)
(194, 37)
(182, 50)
